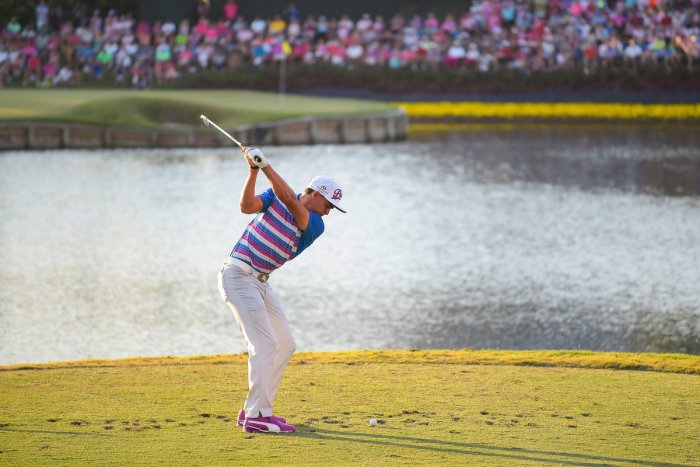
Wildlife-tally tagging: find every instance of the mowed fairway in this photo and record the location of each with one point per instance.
(182, 412)
(155, 108)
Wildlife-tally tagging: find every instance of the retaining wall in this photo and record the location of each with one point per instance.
(374, 128)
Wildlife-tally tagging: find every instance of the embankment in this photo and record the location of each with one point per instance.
(365, 128)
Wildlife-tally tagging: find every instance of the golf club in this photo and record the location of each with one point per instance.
(206, 121)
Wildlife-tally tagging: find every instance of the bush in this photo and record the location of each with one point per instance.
(301, 78)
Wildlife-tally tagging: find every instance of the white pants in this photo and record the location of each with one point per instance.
(264, 325)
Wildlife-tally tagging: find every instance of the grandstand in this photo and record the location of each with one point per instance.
(159, 42)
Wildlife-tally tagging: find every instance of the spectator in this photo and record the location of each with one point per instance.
(258, 26)
(203, 8)
(201, 29)
(293, 30)
(244, 33)
(143, 33)
(379, 27)
(139, 75)
(65, 75)
(259, 51)
(276, 26)
(364, 25)
(547, 34)
(50, 70)
(322, 30)
(171, 74)
(632, 53)
(168, 28)
(96, 23)
(32, 71)
(292, 12)
(4, 65)
(354, 51)
(13, 27)
(449, 26)
(230, 10)
(431, 24)
(163, 57)
(471, 58)
(345, 27)
(455, 55)
(42, 15)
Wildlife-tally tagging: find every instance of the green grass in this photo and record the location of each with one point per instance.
(433, 407)
(181, 108)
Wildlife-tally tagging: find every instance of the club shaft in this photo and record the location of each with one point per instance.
(224, 132)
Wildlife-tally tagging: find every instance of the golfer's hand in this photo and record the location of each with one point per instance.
(247, 158)
(256, 157)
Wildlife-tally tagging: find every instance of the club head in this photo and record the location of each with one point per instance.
(205, 120)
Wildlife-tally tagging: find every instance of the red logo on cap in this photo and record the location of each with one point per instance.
(338, 194)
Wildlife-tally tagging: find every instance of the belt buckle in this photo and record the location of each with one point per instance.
(263, 277)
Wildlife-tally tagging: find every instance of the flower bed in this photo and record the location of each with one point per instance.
(569, 110)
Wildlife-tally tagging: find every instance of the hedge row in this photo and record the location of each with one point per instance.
(304, 78)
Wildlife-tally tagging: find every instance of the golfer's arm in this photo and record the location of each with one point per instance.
(284, 193)
(250, 204)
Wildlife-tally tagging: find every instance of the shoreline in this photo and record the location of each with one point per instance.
(584, 359)
(351, 129)
(382, 127)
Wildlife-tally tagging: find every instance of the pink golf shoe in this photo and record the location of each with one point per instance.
(267, 425)
(241, 418)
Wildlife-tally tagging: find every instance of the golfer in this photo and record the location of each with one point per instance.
(286, 224)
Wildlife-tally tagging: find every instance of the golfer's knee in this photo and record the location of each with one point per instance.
(263, 348)
(286, 347)
(269, 346)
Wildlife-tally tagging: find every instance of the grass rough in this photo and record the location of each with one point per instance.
(169, 108)
(433, 407)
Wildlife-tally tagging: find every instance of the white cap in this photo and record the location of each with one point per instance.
(329, 188)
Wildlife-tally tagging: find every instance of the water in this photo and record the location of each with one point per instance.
(529, 238)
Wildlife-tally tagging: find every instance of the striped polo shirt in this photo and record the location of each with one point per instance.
(273, 237)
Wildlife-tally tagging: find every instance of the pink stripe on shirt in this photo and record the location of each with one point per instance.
(282, 216)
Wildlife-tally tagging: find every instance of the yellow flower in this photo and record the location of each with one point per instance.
(577, 110)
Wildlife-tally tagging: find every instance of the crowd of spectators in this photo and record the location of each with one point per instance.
(64, 47)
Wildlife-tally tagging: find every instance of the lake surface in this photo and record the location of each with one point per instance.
(509, 237)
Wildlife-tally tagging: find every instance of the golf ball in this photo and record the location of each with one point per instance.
(372, 421)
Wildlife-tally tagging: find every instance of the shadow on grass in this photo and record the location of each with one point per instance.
(54, 432)
(471, 449)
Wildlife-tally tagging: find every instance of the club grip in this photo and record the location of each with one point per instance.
(258, 158)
